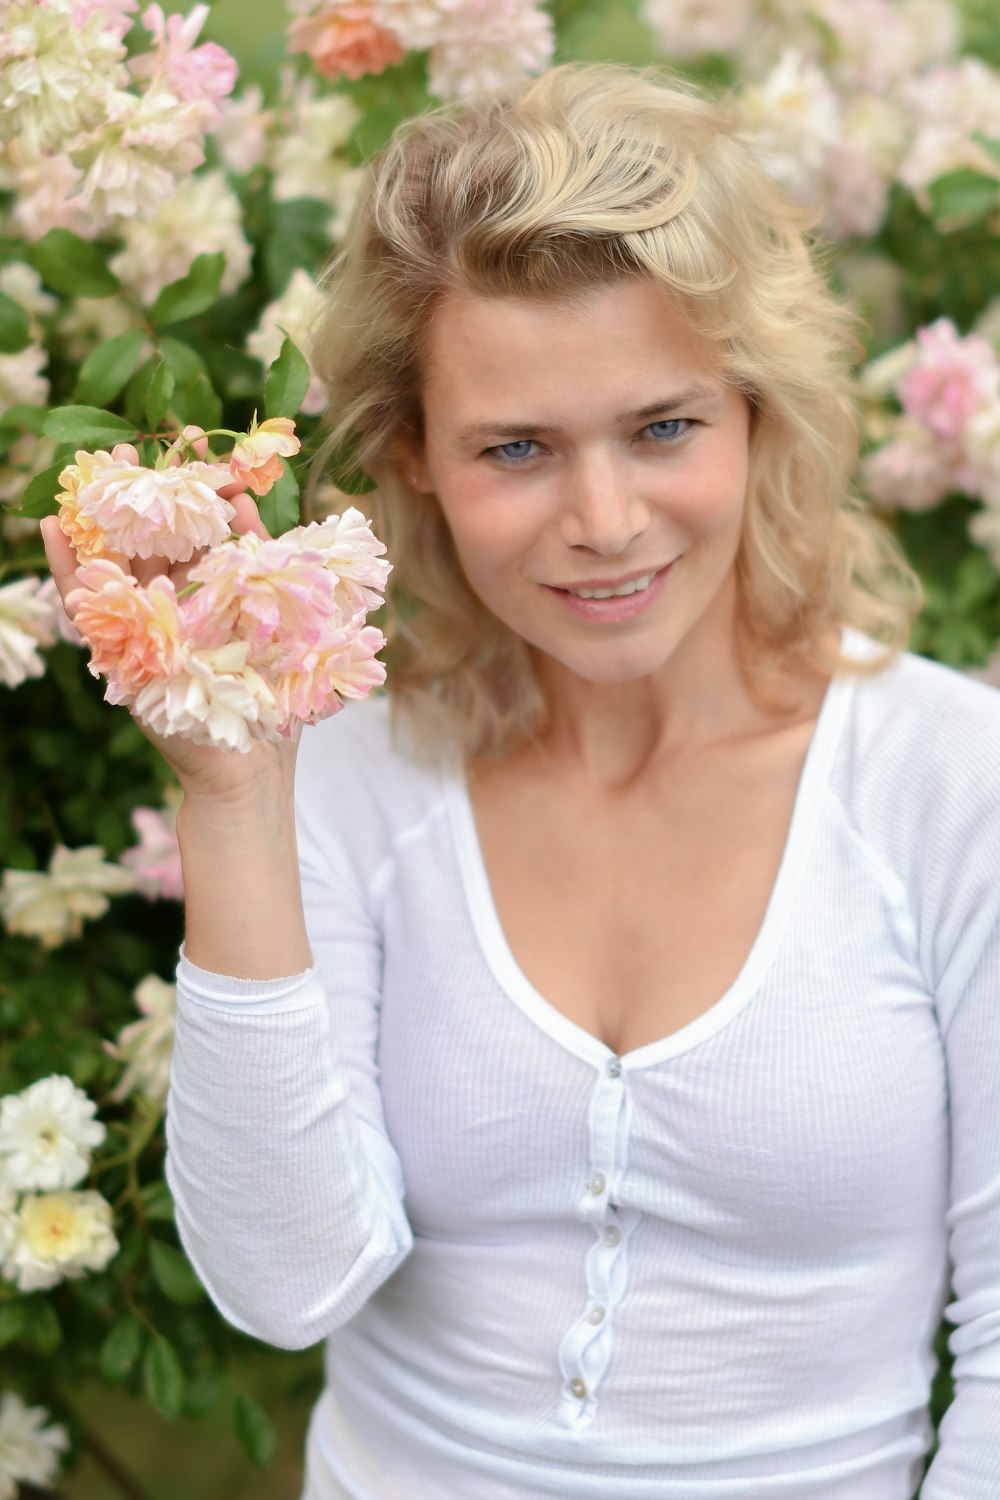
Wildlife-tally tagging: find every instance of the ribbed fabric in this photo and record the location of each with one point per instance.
(711, 1269)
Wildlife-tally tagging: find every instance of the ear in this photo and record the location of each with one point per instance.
(408, 456)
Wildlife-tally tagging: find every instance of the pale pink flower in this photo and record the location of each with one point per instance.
(204, 74)
(53, 74)
(155, 862)
(914, 470)
(982, 446)
(795, 117)
(950, 379)
(242, 132)
(144, 147)
(201, 217)
(23, 283)
(255, 461)
(140, 512)
(65, 629)
(949, 104)
(47, 196)
(145, 1046)
(27, 622)
(135, 634)
(419, 24)
(690, 28)
(312, 680)
(265, 592)
(351, 551)
(308, 156)
(116, 14)
(216, 699)
(343, 40)
(489, 43)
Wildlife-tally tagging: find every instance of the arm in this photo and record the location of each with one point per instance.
(967, 959)
(289, 1195)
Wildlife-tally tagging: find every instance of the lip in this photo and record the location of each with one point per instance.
(607, 583)
(618, 607)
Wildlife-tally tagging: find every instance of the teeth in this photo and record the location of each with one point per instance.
(634, 587)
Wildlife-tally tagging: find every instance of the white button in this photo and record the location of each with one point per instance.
(612, 1234)
(614, 1067)
(597, 1184)
(596, 1314)
(578, 1389)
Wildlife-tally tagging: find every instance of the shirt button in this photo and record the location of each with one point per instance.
(578, 1389)
(612, 1234)
(596, 1314)
(614, 1067)
(597, 1184)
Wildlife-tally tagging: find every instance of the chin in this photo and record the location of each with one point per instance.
(609, 667)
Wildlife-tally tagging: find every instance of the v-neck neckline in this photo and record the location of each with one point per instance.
(569, 1034)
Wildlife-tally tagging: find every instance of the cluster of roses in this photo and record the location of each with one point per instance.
(472, 44)
(92, 130)
(264, 634)
(946, 437)
(847, 97)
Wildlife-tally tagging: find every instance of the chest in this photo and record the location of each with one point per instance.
(633, 914)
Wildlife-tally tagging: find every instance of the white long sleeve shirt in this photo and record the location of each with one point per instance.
(709, 1269)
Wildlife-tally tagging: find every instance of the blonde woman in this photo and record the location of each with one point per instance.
(607, 1066)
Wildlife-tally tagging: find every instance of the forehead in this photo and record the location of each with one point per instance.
(612, 340)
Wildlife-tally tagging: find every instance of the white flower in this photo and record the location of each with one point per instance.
(296, 312)
(214, 701)
(60, 1235)
(982, 445)
(345, 198)
(307, 158)
(169, 512)
(28, 620)
(145, 1046)
(29, 1450)
(419, 24)
(46, 194)
(987, 325)
(53, 906)
(202, 216)
(687, 28)
(241, 134)
(47, 1132)
(796, 119)
(21, 378)
(984, 529)
(914, 470)
(53, 73)
(89, 321)
(949, 103)
(23, 283)
(488, 43)
(146, 146)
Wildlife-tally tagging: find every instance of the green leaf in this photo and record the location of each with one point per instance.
(198, 403)
(186, 364)
(15, 330)
(121, 1348)
(963, 196)
(163, 1378)
(279, 508)
(173, 1275)
(161, 388)
(109, 367)
(254, 1430)
(203, 1390)
(13, 1319)
(157, 1203)
(287, 382)
(39, 498)
(24, 418)
(87, 426)
(193, 293)
(74, 266)
(43, 1331)
(299, 237)
(990, 144)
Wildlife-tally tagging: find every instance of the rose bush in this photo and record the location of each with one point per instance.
(163, 226)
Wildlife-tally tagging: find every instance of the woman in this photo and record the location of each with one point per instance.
(608, 1065)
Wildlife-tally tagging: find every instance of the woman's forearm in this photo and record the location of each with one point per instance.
(242, 893)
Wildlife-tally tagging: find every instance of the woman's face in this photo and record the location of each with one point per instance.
(577, 449)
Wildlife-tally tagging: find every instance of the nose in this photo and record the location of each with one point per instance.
(602, 512)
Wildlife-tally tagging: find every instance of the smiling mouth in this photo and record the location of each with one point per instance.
(634, 585)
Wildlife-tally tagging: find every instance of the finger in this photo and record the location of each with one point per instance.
(247, 517)
(60, 555)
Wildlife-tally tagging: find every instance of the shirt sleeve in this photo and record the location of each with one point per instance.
(964, 950)
(288, 1192)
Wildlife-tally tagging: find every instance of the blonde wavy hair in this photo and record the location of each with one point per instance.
(582, 178)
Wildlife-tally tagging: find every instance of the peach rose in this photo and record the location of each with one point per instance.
(344, 41)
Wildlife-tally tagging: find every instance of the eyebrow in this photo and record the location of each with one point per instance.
(634, 414)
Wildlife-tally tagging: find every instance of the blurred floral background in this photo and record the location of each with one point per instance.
(171, 184)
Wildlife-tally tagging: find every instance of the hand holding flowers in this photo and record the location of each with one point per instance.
(204, 625)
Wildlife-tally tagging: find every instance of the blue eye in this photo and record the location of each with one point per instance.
(514, 453)
(669, 430)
